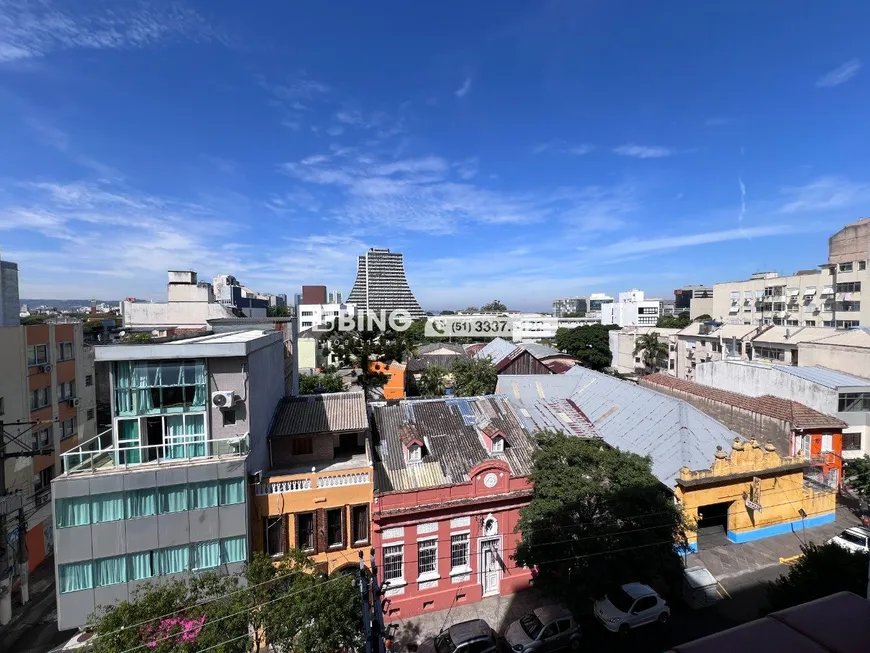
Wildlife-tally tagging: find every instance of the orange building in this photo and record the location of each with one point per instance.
(394, 388)
(317, 494)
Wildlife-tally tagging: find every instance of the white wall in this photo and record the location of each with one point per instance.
(180, 314)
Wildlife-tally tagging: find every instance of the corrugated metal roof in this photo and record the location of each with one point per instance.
(441, 348)
(822, 375)
(451, 430)
(540, 351)
(420, 363)
(671, 432)
(497, 349)
(310, 414)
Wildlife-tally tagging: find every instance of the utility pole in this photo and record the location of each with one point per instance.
(367, 610)
(379, 632)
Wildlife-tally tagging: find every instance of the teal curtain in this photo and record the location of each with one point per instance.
(195, 428)
(199, 393)
(73, 512)
(203, 495)
(111, 571)
(123, 383)
(128, 441)
(233, 549)
(140, 565)
(173, 498)
(232, 491)
(141, 381)
(107, 507)
(206, 555)
(175, 436)
(141, 503)
(173, 560)
(76, 576)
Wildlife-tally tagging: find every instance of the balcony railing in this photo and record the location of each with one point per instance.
(101, 454)
(302, 484)
(340, 480)
(280, 487)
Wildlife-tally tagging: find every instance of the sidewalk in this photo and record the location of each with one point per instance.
(733, 560)
(35, 621)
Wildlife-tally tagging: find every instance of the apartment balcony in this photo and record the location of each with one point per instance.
(101, 455)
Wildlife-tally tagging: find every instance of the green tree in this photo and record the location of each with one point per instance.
(598, 518)
(574, 315)
(652, 350)
(589, 343)
(278, 311)
(316, 383)
(822, 570)
(473, 377)
(33, 319)
(494, 306)
(433, 381)
(448, 313)
(359, 348)
(857, 476)
(680, 321)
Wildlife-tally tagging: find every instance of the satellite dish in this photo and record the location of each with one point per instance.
(122, 333)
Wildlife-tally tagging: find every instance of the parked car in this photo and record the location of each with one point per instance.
(630, 606)
(854, 539)
(473, 636)
(546, 629)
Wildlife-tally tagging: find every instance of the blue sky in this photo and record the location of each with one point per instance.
(518, 150)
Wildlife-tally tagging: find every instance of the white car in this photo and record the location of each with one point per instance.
(855, 539)
(630, 606)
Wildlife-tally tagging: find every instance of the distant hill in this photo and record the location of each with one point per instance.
(66, 304)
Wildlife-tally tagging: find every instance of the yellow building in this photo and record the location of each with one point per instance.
(317, 493)
(749, 494)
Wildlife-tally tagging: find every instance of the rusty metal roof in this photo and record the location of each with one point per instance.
(311, 414)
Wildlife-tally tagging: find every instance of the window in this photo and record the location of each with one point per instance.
(427, 557)
(233, 549)
(778, 306)
(646, 603)
(90, 414)
(303, 446)
(89, 380)
(76, 576)
(111, 571)
(173, 560)
(360, 523)
(847, 324)
(203, 495)
(845, 267)
(206, 555)
(459, 552)
(334, 527)
(75, 511)
(141, 565)
(766, 352)
(232, 491)
(849, 286)
(717, 347)
(69, 428)
(154, 387)
(394, 562)
(792, 323)
(827, 442)
(37, 355)
(828, 323)
(851, 441)
(305, 531)
(307, 313)
(42, 486)
(847, 307)
(40, 398)
(498, 444)
(274, 535)
(64, 351)
(810, 323)
(140, 503)
(862, 265)
(173, 498)
(66, 390)
(415, 453)
(107, 507)
(2, 406)
(229, 416)
(306, 324)
(854, 402)
(42, 439)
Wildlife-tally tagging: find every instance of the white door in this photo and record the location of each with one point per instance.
(489, 570)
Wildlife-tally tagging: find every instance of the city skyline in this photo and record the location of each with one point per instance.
(525, 157)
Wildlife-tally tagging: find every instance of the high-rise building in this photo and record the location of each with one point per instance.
(9, 308)
(683, 296)
(381, 284)
(313, 295)
(164, 491)
(569, 305)
(632, 309)
(596, 302)
(334, 297)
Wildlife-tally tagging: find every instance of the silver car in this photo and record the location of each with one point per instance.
(545, 629)
(630, 606)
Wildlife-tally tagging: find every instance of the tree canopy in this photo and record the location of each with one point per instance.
(680, 321)
(652, 350)
(310, 384)
(293, 606)
(494, 306)
(822, 570)
(473, 377)
(433, 381)
(598, 517)
(278, 311)
(589, 343)
(857, 476)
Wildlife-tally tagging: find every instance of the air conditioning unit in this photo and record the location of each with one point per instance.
(74, 402)
(223, 399)
(45, 368)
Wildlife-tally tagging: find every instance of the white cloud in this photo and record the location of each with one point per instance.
(839, 75)
(336, 130)
(647, 245)
(562, 147)
(643, 151)
(580, 150)
(31, 29)
(462, 91)
(468, 168)
(826, 194)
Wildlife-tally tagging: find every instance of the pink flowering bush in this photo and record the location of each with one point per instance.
(180, 629)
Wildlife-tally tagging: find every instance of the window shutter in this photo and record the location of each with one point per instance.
(320, 530)
(345, 540)
(284, 533)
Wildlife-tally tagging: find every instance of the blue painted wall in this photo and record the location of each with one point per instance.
(780, 529)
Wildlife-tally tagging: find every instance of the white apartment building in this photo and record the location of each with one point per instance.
(622, 344)
(318, 315)
(567, 305)
(189, 305)
(595, 304)
(827, 296)
(632, 309)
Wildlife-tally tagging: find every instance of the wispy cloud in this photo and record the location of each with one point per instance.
(742, 199)
(31, 29)
(643, 151)
(826, 194)
(647, 245)
(562, 147)
(839, 75)
(462, 91)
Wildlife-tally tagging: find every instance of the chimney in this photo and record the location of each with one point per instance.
(787, 333)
